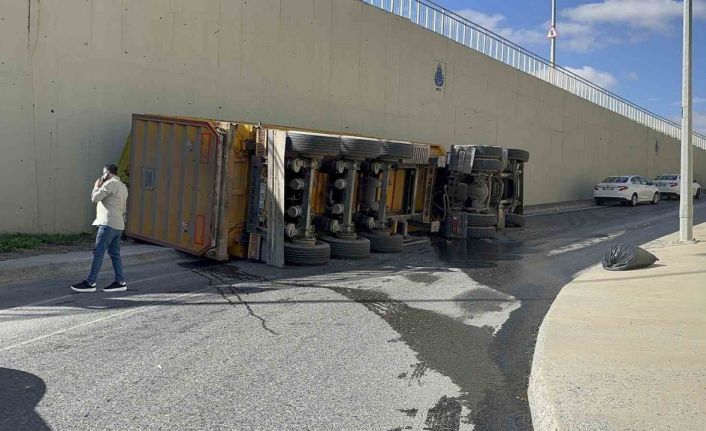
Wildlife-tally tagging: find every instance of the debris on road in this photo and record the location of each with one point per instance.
(626, 257)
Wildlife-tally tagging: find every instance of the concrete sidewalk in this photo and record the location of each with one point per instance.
(34, 267)
(626, 350)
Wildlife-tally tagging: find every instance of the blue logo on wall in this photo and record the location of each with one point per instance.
(439, 77)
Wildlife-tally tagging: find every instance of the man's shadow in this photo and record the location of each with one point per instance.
(19, 394)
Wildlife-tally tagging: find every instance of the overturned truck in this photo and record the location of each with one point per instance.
(300, 197)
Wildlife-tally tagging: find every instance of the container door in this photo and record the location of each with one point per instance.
(172, 182)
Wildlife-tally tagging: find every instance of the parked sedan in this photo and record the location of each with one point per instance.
(631, 189)
(668, 185)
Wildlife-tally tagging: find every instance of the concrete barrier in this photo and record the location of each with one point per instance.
(72, 73)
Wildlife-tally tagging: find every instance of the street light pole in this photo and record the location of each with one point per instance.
(686, 204)
(552, 58)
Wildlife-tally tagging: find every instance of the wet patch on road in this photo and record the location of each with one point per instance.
(426, 278)
(487, 308)
(410, 412)
(444, 416)
(446, 345)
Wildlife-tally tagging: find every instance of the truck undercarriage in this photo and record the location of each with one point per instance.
(298, 197)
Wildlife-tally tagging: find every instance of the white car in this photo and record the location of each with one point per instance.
(631, 189)
(668, 185)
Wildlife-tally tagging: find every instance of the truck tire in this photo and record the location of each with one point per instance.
(313, 144)
(360, 148)
(514, 220)
(517, 154)
(474, 232)
(488, 165)
(396, 150)
(358, 248)
(318, 253)
(489, 151)
(482, 220)
(384, 243)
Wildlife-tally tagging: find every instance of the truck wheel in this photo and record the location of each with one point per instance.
(313, 144)
(358, 248)
(515, 220)
(491, 165)
(396, 150)
(384, 243)
(489, 151)
(480, 232)
(517, 154)
(318, 253)
(360, 148)
(482, 220)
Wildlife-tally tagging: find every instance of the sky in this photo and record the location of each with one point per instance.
(631, 47)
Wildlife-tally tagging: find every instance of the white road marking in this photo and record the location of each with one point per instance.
(583, 244)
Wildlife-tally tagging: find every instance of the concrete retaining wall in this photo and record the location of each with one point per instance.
(72, 72)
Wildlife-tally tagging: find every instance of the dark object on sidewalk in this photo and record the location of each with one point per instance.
(625, 257)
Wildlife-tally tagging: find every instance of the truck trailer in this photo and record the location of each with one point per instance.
(296, 196)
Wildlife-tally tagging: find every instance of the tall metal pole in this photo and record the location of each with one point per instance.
(686, 204)
(552, 58)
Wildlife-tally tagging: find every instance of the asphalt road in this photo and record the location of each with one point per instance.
(439, 337)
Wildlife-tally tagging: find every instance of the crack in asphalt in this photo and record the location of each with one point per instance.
(234, 290)
(212, 276)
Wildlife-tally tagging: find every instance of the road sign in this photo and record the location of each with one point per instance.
(552, 33)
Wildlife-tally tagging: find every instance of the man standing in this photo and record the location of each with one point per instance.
(110, 196)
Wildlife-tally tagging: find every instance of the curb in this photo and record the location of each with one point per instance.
(542, 412)
(81, 264)
(560, 207)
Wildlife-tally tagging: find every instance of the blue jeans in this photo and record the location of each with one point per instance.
(109, 238)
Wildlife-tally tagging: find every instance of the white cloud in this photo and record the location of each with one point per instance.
(524, 36)
(496, 23)
(598, 77)
(644, 14)
(491, 22)
(694, 101)
(577, 36)
(632, 76)
(590, 26)
(638, 13)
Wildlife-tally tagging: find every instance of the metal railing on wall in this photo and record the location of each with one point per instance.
(459, 29)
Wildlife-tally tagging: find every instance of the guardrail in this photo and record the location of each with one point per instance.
(459, 29)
